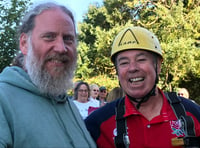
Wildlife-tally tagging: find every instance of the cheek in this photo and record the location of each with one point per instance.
(39, 51)
(151, 73)
(72, 51)
(79, 95)
(121, 74)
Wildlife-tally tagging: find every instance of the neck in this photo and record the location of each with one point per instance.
(94, 98)
(101, 98)
(152, 107)
(82, 101)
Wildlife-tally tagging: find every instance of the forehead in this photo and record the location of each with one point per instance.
(103, 90)
(182, 90)
(95, 87)
(133, 54)
(53, 19)
(83, 86)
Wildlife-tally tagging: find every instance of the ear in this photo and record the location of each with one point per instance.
(159, 63)
(23, 43)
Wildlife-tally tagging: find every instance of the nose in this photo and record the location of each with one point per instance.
(60, 46)
(133, 66)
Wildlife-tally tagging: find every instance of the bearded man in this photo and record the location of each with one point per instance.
(34, 108)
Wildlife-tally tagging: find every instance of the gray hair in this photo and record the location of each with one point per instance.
(28, 22)
(93, 85)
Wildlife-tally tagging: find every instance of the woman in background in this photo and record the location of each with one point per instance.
(81, 98)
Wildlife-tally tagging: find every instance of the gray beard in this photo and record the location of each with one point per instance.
(47, 84)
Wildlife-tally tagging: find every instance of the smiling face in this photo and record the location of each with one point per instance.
(94, 92)
(136, 72)
(53, 41)
(50, 51)
(83, 93)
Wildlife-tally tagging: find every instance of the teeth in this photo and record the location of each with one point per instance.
(56, 61)
(136, 79)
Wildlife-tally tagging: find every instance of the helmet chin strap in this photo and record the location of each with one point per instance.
(145, 98)
(152, 92)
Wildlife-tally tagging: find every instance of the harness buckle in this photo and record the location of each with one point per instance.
(177, 141)
(126, 141)
(187, 142)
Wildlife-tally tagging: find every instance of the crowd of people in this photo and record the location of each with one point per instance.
(88, 98)
(35, 110)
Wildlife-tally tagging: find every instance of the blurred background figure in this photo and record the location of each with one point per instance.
(102, 95)
(115, 93)
(94, 93)
(183, 92)
(71, 96)
(81, 98)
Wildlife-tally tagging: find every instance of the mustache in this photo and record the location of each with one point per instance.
(60, 57)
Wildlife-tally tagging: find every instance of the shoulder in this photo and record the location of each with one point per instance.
(103, 113)
(191, 107)
(96, 118)
(77, 103)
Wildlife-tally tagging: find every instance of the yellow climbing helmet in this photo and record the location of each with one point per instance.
(135, 38)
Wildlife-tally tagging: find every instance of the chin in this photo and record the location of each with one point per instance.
(56, 73)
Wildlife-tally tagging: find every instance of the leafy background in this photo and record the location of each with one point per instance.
(176, 24)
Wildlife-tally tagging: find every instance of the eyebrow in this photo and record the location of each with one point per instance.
(137, 55)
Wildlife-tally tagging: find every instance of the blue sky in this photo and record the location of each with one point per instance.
(78, 7)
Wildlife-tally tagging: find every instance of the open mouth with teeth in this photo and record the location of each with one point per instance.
(58, 61)
(135, 80)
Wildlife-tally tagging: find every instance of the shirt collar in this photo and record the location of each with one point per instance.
(130, 109)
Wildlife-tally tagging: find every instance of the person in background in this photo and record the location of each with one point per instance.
(72, 91)
(34, 109)
(144, 117)
(183, 92)
(114, 94)
(102, 95)
(94, 93)
(81, 98)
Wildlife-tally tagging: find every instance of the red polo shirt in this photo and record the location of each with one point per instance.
(142, 133)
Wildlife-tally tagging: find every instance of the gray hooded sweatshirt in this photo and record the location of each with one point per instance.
(29, 119)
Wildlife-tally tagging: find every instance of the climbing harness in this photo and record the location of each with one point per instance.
(189, 141)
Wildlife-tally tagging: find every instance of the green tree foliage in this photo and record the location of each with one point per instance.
(10, 14)
(176, 23)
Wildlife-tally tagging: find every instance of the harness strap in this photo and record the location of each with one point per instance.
(180, 113)
(190, 139)
(122, 139)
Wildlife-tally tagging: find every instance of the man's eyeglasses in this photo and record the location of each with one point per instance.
(82, 90)
(103, 91)
(96, 90)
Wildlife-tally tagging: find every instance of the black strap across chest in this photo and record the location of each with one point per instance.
(122, 139)
(180, 112)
